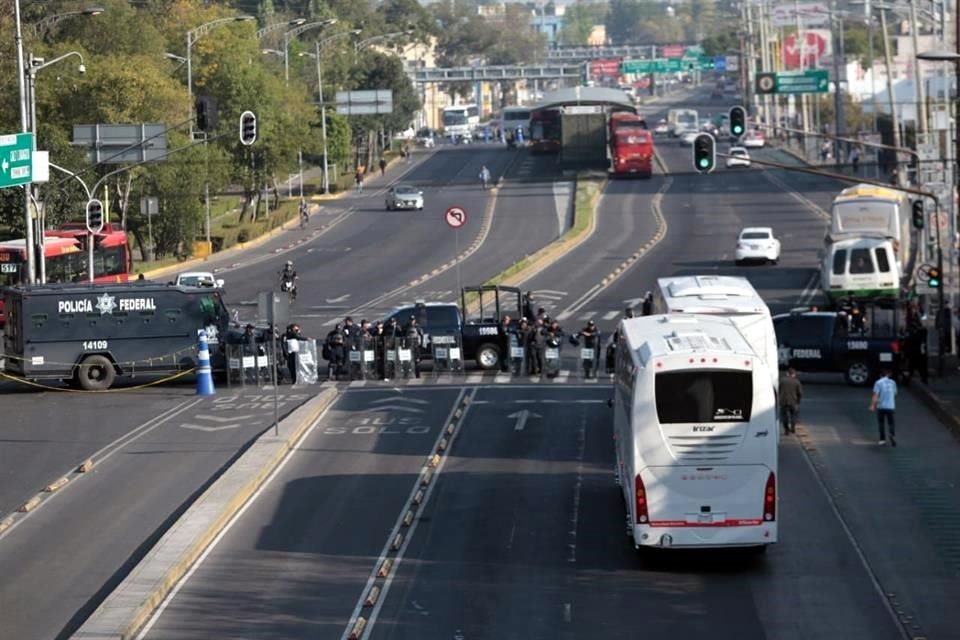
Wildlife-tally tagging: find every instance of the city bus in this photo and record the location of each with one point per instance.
(695, 434)
(513, 118)
(66, 257)
(460, 121)
(545, 131)
(631, 145)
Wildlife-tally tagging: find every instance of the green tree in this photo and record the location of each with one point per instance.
(579, 20)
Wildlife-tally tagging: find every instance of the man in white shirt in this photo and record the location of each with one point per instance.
(884, 403)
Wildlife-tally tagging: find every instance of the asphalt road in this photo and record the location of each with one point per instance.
(156, 448)
(522, 535)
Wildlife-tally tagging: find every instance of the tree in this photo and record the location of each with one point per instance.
(579, 21)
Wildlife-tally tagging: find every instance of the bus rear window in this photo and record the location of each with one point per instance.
(860, 261)
(882, 263)
(704, 396)
(839, 262)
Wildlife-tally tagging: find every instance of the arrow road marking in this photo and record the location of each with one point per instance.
(400, 399)
(223, 423)
(396, 407)
(342, 298)
(522, 416)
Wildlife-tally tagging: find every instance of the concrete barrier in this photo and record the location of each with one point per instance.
(131, 604)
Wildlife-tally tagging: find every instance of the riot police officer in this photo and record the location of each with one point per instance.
(335, 352)
(413, 336)
(536, 347)
(292, 335)
(647, 305)
(589, 338)
(505, 329)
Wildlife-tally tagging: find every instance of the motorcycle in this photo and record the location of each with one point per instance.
(289, 287)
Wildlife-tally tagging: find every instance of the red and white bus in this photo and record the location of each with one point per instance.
(631, 145)
(65, 254)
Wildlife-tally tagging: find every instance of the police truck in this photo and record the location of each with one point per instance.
(90, 334)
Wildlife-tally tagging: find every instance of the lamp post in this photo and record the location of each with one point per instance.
(319, 45)
(375, 39)
(192, 37)
(293, 33)
(276, 26)
(41, 27)
(33, 67)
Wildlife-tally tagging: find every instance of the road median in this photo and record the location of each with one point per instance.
(588, 189)
(132, 604)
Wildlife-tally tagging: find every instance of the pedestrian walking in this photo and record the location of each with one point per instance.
(383, 167)
(884, 402)
(791, 391)
(358, 179)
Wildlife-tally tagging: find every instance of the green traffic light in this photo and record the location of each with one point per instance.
(737, 130)
(704, 163)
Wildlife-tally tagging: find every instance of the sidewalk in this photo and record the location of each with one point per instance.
(942, 395)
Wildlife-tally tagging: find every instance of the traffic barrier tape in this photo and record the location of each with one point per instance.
(46, 387)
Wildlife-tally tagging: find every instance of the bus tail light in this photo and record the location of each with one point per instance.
(770, 499)
(895, 346)
(640, 495)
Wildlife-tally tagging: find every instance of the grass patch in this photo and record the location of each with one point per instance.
(588, 188)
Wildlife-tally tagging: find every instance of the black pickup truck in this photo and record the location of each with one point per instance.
(474, 322)
(825, 342)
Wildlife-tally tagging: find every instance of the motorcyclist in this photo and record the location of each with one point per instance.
(288, 279)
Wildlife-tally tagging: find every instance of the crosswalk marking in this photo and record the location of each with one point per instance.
(588, 315)
(610, 315)
(563, 315)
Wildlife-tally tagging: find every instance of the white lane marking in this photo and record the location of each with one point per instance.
(106, 452)
(575, 520)
(226, 529)
(610, 315)
(563, 315)
(809, 291)
(411, 530)
(588, 315)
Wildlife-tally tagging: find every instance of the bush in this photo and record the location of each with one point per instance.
(243, 235)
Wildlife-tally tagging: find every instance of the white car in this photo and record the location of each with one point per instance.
(738, 157)
(403, 196)
(757, 244)
(688, 136)
(754, 139)
(198, 279)
(661, 128)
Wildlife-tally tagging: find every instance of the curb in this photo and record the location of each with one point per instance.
(936, 406)
(132, 603)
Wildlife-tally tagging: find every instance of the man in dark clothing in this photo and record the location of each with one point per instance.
(335, 352)
(291, 343)
(791, 391)
(590, 335)
(917, 351)
(528, 306)
(536, 347)
(414, 337)
(505, 329)
(648, 304)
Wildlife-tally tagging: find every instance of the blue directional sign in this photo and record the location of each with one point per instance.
(720, 63)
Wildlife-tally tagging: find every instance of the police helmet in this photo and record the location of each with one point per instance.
(289, 263)
(591, 324)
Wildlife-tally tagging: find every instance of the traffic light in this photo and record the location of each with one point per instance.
(704, 153)
(248, 128)
(934, 278)
(738, 121)
(94, 216)
(206, 108)
(918, 214)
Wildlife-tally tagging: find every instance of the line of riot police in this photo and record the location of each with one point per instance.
(382, 350)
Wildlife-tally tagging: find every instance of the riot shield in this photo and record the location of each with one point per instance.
(307, 362)
(551, 364)
(447, 355)
(590, 358)
(405, 358)
(355, 363)
(368, 359)
(518, 355)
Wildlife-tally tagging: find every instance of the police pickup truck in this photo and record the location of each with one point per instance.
(474, 323)
(825, 342)
(88, 334)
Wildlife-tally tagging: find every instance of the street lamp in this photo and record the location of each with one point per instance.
(42, 27)
(276, 26)
(34, 66)
(375, 39)
(192, 37)
(293, 33)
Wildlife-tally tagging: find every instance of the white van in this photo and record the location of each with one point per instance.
(860, 268)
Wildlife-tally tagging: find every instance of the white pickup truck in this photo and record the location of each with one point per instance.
(198, 279)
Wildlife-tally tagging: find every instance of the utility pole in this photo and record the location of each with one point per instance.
(888, 63)
(917, 80)
(839, 57)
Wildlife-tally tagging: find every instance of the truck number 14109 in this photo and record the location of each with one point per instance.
(94, 345)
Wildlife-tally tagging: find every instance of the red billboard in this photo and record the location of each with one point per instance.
(674, 51)
(605, 68)
(812, 47)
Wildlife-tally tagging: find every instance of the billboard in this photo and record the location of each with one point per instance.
(808, 14)
(812, 49)
(608, 68)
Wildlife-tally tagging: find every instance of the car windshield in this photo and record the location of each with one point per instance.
(738, 152)
(196, 281)
(408, 191)
(755, 235)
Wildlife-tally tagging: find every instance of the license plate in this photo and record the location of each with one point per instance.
(704, 518)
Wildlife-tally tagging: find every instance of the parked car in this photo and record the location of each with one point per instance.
(755, 139)
(661, 128)
(688, 136)
(403, 196)
(198, 279)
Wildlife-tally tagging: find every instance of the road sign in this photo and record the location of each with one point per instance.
(456, 217)
(811, 81)
(669, 65)
(16, 159)
(720, 63)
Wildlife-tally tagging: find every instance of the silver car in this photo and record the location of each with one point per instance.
(404, 197)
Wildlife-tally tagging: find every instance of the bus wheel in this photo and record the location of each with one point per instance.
(857, 373)
(488, 357)
(96, 373)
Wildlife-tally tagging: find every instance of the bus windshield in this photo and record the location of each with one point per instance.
(454, 117)
(704, 396)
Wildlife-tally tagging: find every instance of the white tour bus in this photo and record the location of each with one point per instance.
(513, 118)
(461, 120)
(730, 296)
(695, 433)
